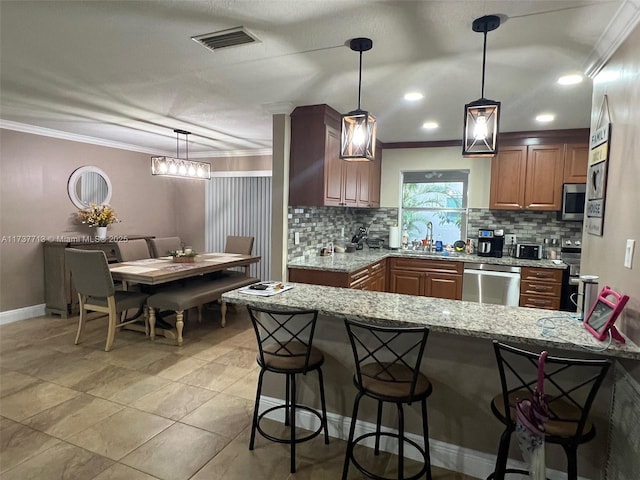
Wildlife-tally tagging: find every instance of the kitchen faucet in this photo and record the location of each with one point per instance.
(429, 237)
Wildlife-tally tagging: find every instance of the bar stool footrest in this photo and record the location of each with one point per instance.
(288, 440)
(369, 474)
(508, 471)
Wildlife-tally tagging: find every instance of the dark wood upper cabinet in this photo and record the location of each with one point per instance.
(317, 175)
(576, 161)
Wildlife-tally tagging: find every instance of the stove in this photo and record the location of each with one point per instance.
(571, 251)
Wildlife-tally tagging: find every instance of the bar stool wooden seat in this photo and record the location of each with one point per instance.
(388, 361)
(285, 347)
(570, 385)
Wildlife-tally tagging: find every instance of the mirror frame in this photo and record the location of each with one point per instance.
(73, 179)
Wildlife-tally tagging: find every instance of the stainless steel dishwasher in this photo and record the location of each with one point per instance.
(485, 283)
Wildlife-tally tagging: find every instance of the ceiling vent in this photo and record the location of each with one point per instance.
(226, 38)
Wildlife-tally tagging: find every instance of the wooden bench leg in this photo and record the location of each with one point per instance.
(223, 314)
(152, 323)
(179, 325)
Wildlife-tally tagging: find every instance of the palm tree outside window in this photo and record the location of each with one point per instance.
(437, 196)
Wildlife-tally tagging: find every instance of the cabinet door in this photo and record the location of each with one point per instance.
(377, 283)
(543, 190)
(375, 177)
(576, 160)
(443, 285)
(407, 282)
(364, 175)
(508, 174)
(333, 169)
(350, 183)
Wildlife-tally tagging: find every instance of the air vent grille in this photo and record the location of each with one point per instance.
(232, 37)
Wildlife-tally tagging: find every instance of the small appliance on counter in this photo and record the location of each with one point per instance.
(490, 243)
(375, 242)
(528, 251)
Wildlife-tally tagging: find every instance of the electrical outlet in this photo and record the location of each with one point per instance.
(510, 239)
(342, 232)
(296, 238)
(628, 253)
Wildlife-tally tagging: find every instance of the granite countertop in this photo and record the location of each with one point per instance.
(350, 262)
(509, 324)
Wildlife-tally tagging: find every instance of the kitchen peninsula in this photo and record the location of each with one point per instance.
(459, 361)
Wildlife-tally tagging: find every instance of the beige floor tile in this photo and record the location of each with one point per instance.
(129, 387)
(246, 386)
(212, 351)
(173, 366)
(223, 414)
(120, 434)
(177, 453)
(34, 399)
(73, 416)
(173, 401)
(214, 376)
(240, 357)
(13, 382)
(18, 443)
(134, 356)
(60, 462)
(19, 359)
(97, 378)
(244, 338)
(118, 471)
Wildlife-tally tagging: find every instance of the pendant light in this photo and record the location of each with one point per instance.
(178, 167)
(481, 117)
(358, 138)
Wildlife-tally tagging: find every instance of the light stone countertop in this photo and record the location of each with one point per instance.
(508, 324)
(350, 262)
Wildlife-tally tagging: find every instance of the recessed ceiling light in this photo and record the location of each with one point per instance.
(570, 79)
(545, 117)
(413, 96)
(430, 125)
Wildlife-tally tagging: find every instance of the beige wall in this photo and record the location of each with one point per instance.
(441, 158)
(604, 256)
(239, 164)
(34, 171)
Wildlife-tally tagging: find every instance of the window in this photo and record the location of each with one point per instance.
(439, 197)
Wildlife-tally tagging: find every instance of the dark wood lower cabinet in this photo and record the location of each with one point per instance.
(372, 277)
(429, 278)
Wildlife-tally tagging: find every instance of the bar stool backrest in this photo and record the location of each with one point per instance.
(284, 335)
(570, 384)
(387, 354)
(90, 272)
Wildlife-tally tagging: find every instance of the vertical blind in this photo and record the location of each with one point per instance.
(240, 206)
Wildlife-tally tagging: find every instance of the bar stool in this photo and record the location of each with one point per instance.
(387, 361)
(285, 346)
(570, 386)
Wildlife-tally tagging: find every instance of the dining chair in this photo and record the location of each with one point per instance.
(570, 386)
(160, 247)
(130, 250)
(235, 244)
(96, 292)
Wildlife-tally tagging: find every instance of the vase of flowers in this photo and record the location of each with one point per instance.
(99, 216)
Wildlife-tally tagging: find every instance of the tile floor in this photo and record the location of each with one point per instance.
(146, 410)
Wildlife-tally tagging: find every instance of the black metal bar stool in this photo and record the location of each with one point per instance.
(387, 361)
(285, 347)
(570, 386)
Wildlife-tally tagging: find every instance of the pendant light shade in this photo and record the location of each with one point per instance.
(178, 167)
(358, 136)
(482, 116)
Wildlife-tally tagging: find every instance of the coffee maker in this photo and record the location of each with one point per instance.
(490, 243)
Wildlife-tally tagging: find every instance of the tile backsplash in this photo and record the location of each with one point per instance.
(318, 226)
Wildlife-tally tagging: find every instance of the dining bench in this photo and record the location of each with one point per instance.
(195, 294)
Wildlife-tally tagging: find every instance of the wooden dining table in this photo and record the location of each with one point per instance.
(162, 270)
(155, 271)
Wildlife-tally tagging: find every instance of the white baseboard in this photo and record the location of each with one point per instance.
(445, 455)
(18, 314)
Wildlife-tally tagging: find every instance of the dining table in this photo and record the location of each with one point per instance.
(163, 270)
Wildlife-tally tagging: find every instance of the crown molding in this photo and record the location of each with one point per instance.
(617, 31)
(74, 137)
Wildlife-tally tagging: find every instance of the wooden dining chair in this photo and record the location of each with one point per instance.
(96, 292)
(160, 247)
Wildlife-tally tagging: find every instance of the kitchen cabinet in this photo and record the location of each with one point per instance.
(576, 161)
(527, 177)
(430, 278)
(540, 287)
(317, 175)
(372, 277)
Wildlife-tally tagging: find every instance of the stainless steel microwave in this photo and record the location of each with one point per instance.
(573, 201)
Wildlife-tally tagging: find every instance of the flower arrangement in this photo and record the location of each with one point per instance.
(186, 255)
(98, 215)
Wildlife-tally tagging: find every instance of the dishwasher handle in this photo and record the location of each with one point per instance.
(491, 273)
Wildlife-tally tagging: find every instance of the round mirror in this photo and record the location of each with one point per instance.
(89, 185)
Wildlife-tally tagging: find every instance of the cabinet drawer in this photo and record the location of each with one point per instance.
(359, 276)
(547, 275)
(376, 267)
(417, 264)
(528, 287)
(535, 301)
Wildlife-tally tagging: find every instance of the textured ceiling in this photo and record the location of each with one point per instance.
(128, 71)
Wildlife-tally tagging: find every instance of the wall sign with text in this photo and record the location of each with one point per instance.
(597, 180)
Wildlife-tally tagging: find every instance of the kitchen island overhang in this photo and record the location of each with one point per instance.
(459, 361)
